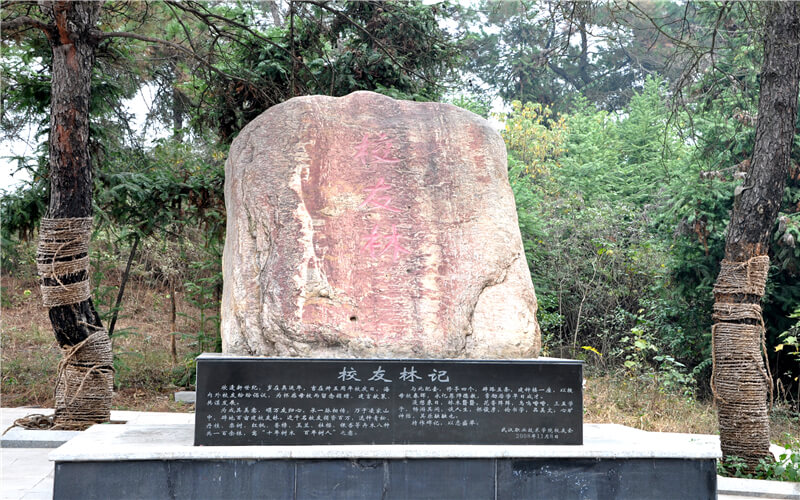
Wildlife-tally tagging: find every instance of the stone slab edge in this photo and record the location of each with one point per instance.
(33, 438)
(757, 488)
(175, 442)
(18, 437)
(186, 397)
(229, 356)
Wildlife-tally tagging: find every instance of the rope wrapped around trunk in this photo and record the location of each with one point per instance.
(85, 379)
(736, 312)
(749, 277)
(741, 378)
(84, 383)
(64, 251)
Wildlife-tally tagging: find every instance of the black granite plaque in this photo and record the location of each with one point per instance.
(278, 401)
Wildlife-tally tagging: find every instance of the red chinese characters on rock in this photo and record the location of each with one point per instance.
(374, 151)
(374, 243)
(380, 240)
(385, 243)
(376, 198)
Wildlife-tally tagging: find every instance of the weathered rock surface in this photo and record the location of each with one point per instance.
(366, 226)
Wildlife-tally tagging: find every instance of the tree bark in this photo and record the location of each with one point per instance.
(70, 165)
(275, 11)
(740, 383)
(173, 316)
(123, 282)
(73, 46)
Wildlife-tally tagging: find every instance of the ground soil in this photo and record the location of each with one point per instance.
(146, 372)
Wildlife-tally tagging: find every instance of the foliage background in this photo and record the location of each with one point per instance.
(626, 138)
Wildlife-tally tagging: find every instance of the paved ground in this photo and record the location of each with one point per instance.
(27, 474)
(24, 472)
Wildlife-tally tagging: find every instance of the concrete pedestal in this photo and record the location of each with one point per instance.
(159, 461)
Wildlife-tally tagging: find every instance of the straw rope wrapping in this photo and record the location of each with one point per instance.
(84, 383)
(748, 277)
(36, 421)
(736, 312)
(64, 251)
(740, 377)
(85, 379)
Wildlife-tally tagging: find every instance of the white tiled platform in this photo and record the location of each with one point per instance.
(740, 489)
(614, 460)
(175, 442)
(25, 473)
(18, 437)
(28, 474)
(9, 415)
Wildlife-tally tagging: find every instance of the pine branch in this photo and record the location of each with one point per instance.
(207, 18)
(103, 35)
(24, 22)
(378, 43)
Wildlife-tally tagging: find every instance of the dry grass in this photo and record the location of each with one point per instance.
(640, 403)
(643, 404)
(144, 367)
(29, 357)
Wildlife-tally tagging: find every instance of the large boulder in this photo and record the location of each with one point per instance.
(363, 226)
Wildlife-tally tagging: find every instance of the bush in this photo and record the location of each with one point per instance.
(586, 187)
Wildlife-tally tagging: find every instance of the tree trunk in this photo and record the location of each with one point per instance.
(177, 136)
(740, 381)
(178, 108)
(275, 10)
(123, 282)
(173, 316)
(73, 49)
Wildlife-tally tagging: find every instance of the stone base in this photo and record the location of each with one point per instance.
(18, 437)
(156, 462)
(189, 397)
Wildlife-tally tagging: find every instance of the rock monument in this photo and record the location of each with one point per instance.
(364, 226)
